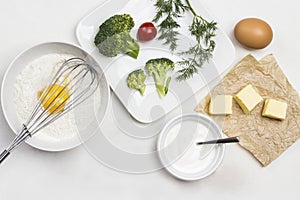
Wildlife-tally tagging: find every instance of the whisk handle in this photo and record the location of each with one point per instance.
(4, 155)
(19, 139)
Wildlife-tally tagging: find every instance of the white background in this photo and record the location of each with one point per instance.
(33, 174)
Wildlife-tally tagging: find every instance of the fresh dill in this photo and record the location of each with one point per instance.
(168, 12)
(202, 30)
(197, 55)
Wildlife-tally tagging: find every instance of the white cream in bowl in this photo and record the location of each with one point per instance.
(178, 150)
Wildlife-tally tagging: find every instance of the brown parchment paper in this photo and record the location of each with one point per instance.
(265, 138)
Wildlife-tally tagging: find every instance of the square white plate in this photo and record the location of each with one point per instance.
(151, 107)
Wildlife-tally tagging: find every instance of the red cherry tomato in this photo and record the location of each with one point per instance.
(146, 32)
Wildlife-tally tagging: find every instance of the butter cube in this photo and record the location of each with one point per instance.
(274, 109)
(220, 105)
(248, 98)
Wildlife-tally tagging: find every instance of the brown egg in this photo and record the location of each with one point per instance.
(253, 33)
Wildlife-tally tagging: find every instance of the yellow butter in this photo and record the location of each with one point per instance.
(248, 98)
(220, 105)
(274, 109)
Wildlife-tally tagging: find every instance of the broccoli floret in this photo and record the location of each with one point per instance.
(158, 69)
(136, 80)
(114, 37)
(130, 46)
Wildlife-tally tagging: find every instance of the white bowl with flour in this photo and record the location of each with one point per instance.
(29, 73)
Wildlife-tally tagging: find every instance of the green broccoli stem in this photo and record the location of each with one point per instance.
(160, 90)
(132, 49)
(167, 85)
(142, 89)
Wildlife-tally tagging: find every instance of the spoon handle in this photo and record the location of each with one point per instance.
(221, 141)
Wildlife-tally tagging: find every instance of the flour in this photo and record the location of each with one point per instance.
(35, 77)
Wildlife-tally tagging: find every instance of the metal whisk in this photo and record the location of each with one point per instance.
(72, 84)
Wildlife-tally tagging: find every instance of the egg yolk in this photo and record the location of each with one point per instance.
(54, 98)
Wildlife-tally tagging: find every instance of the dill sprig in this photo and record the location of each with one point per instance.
(203, 31)
(197, 55)
(168, 12)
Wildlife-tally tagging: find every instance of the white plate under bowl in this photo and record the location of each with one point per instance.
(183, 139)
(116, 69)
(7, 95)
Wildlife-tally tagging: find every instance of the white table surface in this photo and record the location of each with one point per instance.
(33, 174)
